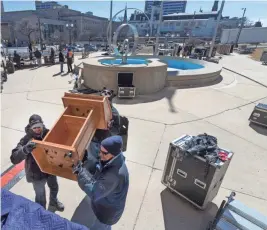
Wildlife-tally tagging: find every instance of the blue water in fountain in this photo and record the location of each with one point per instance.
(118, 61)
(172, 63)
(182, 65)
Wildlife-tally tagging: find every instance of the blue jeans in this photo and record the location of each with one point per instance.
(61, 66)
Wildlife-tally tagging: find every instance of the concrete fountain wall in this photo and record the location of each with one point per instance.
(148, 78)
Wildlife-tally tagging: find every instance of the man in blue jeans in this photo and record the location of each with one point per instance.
(106, 182)
(23, 151)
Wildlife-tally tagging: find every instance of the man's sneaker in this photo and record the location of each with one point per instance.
(56, 206)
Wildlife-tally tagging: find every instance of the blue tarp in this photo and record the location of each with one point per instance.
(20, 213)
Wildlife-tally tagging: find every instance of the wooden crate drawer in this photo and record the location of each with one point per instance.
(65, 143)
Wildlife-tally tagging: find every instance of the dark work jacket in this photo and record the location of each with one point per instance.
(61, 57)
(37, 54)
(32, 170)
(101, 134)
(107, 186)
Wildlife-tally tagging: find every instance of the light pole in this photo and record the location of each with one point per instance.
(110, 28)
(40, 31)
(216, 28)
(241, 27)
(158, 29)
(69, 27)
(192, 25)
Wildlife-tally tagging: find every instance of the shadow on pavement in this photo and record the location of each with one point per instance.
(167, 92)
(65, 74)
(34, 68)
(259, 128)
(84, 213)
(56, 74)
(180, 214)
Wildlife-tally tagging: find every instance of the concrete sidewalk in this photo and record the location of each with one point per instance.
(221, 110)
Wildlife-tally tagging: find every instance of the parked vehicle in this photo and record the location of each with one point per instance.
(150, 43)
(89, 47)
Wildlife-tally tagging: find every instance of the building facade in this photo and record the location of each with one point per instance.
(169, 7)
(200, 24)
(53, 26)
(39, 5)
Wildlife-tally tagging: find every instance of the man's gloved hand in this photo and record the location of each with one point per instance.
(27, 149)
(76, 169)
(110, 124)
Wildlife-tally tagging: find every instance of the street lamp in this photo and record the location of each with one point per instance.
(241, 27)
(69, 26)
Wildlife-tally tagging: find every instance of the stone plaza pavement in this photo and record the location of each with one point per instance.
(221, 110)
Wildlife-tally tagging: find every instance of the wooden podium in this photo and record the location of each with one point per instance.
(65, 143)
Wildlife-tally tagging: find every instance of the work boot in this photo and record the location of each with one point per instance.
(55, 206)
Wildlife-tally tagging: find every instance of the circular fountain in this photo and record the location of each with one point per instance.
(150, 73)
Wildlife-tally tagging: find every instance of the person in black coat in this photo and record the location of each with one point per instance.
(52, 56)
(113, 125)
(23, 151)
(106, 182)
(61, 60)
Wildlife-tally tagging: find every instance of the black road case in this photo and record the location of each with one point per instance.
(126, 89)
(259, 115)
(191, 177)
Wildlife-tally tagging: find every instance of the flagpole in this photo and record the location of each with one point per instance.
(216, 29)
(110, 28)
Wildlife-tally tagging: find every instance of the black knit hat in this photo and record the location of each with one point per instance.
(35, 121)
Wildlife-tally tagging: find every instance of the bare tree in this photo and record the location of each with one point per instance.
(26, 29)
(119, 19)
(248, 22)
(56, 38)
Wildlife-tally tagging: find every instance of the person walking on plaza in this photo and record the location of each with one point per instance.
(69, 60)
(16, 59)
(36, 130)
(106, 183)
(61, 60)
(52, 56)
(38, 56)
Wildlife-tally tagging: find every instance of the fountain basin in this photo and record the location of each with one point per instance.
(148, 78)
(151, 74)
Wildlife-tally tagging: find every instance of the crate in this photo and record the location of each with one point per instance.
(126, 89)
(191, 177)
(259, 115)
(65, 143)
(233, 214)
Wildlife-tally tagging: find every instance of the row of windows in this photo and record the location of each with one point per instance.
(52, 28)
(187, 23)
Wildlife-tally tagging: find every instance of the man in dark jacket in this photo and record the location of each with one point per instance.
(114, 125)
(16, 59)
(38, 56)
(61, 60)
(106, 182)
(52, 56)
(23, 151)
